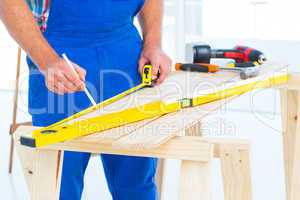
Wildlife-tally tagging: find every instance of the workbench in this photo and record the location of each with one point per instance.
(175, 135)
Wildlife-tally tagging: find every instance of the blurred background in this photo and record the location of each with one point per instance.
(268, 25)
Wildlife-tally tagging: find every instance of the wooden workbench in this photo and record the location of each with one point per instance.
(174, 135)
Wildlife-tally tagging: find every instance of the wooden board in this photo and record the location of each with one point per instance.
(40, 165)
(178, 86)
(184, 148)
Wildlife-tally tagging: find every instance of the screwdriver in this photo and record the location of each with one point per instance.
(88, 94)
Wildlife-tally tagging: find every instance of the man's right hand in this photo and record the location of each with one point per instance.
(61, 79)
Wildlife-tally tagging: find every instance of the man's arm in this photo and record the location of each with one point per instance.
(20, 23)
(150, 18)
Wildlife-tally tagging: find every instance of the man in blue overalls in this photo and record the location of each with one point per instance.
(99, 36)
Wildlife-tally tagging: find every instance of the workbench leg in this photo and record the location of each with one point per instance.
(195, 181)
(235, 165)
(290, 109)
(15, 109)
(42, 170)
(11, 154)
(160, 177)
(194, 130)
(195, 176)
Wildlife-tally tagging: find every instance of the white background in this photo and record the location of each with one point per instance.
(241, 20)
(270, 25)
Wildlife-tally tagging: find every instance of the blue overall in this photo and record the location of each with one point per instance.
(98, 35)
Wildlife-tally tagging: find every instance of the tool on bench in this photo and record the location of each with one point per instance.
(243, 65)
(88, 94)
(241, 54)
(49, 134)
(245, 73)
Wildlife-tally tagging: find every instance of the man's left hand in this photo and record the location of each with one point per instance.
(159, 60)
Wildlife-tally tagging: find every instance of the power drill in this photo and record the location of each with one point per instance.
(241, 54)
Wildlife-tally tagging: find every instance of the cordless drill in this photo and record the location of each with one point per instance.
(241, 54)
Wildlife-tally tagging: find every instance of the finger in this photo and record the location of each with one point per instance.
(57, 91)
(155, 69)
(52, 88)
(68, 85)
(142, 62)
(162, 76)
(50, 84)
(81, 72)
(73, 78)
(164, 72)
(60, 88)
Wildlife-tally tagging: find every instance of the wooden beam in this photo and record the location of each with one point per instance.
(218, 143)
(290, 100)
(42, 171)
(235, 165)
(159, 178)
(195, 183)
(162, 129)
(183, 148)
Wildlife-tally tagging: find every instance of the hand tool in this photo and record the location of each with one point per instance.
(245, 73)
(88, 94)
(241, 54)
(47, 135)
(243, 65)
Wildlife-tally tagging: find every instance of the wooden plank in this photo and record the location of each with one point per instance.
(114, 134)
(159, 178)
(192, 88)
(195, 183)
(162, 129)
(184, 148)
(180, 85)
(136, 139)
(157, 132)
(240, 144)
(177, 86)
(291, 140)
(42, 171)
(196, 177)
(235, 165)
